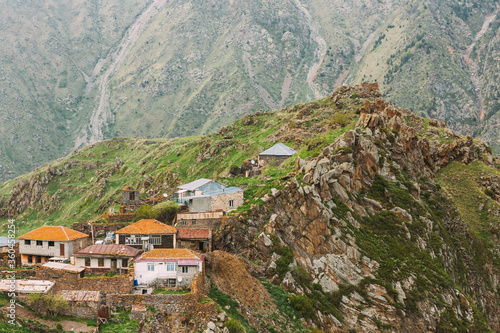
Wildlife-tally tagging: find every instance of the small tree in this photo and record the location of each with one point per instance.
(165, 211)
(50, 304)
(57, 304)
(144, 212)
(234, 326)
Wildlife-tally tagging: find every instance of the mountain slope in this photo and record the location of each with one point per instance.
(86, 71)
(386, 221)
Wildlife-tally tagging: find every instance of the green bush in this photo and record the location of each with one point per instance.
(234, 326)
(285, 260)
(59, 326)
(303, 305)
(234, 170)
(50, 304)
(144, 212)
(165, 211)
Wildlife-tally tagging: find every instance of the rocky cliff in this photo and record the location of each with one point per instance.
(377, 243)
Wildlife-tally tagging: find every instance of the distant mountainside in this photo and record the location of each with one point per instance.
(76, 73)
(382, 221)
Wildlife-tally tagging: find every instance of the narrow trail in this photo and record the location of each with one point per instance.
(101, 114)
(473, 67)
(319, 53)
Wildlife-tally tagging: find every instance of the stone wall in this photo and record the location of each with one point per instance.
(120, 217)
(66, 280)
(222, 201)
(4, 257)
(270, 159)
(19, 273)
(100, 229)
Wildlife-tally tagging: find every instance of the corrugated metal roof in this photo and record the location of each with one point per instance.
(81, 295)
(193, 233)
(107, 250)
(279, 149)
(66, 267)
(195, 184)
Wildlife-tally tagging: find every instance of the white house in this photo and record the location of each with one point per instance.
(102, 258)
(169, 267)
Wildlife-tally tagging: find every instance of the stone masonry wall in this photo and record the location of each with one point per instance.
(66, 280)
(100, 229)
(4, 257)
(222, 201)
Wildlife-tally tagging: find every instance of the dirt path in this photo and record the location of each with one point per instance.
(101, 114)
(473, 67)
(319, 53)
(68, 325)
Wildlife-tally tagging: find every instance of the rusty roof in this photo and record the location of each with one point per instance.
(80, 295)
(169, 254)
(147, 227)
(193, 233)
(128, 188)
(107, 250)
(49, 233)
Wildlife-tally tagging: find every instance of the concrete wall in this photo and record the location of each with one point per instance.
(222, 201)
(94, 263)
(202, 204)
(143, 276)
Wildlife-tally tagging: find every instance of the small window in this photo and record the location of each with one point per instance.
(38, 259)
(27, 242)
(51, 244)
(183, 222)
(30, 259)
(231, 203)
(124, 263)
(156, 240)
(171, 266)
(39, 243)
(185, 269)
(87, 262)
(151, 267)
(100, 262)
(193, 221)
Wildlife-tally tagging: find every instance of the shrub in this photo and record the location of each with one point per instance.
(165, 211)
(285, 260)
(59, 327)
(50, 304)
(234, 170)
(303, 305)
(489, 193)
(144, 212)
(341, 119)
(234, 326)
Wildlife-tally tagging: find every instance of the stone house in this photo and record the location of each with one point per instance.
(199, 220)
(276, 154)
(103, 258)
(197, 187)
(147, 234)
(168, 267)
(130, 199)
(227, 199)
(46, 242)
(195, 239)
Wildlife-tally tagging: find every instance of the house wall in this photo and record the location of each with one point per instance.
(143, 276)
(52, 251)
(200, 204)
(167, 241)
(126, 197)
(94, 263)
(222, 201)
(210, 187)
(81, 309)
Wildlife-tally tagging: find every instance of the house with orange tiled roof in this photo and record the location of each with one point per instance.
(168, 267)
(195, 239)
(147, 234)
(46, 242)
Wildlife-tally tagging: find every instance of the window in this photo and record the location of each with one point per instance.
(231, 203)
(100, 262)
(51, 244)
(30, 259)
(38, 259)
(193, 221)
(171, 266)
(151, 267)
(185, 269)
(125, 263)
(39, 243)
(27, 242)
(183, 222)
(132, 240)
(87, 262)
(156, 240)
(132, 196)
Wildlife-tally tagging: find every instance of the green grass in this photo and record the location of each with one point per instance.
(121, 322)
(170, 292)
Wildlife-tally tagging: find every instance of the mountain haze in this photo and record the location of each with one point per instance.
(76, 73)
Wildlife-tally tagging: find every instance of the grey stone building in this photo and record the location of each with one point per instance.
(276, 154)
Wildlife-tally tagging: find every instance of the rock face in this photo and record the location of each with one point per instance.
(379, 176)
